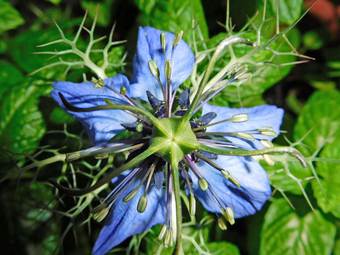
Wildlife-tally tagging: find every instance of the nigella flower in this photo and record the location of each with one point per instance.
(177, 141)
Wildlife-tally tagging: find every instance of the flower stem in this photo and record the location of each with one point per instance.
(177, 193)
(244, 153)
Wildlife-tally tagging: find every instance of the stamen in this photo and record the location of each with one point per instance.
(239, 118)
(122, 90)
(101, 212)
(178, 38)
(139, 127)
(163, 41)
(99, 83)
(221, 223)
(154, 69)
(267, 132)
(203, 184)
(162, 232)
(244, 136)
(228, 176)
(131, 195)
(168, 70)
(142, 203)
(229, 215)
(224, 172)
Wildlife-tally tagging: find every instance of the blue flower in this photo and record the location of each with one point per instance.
(211, 150)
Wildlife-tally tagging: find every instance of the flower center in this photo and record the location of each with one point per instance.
(177, 138)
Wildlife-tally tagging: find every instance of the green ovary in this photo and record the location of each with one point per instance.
(176, 136)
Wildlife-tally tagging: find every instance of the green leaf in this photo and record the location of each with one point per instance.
(287, 10)
(319, 121)
(222, 248)
(21, 123)
(59, 116)
(10, 18)
(100, 8)
(174, 16)
(9, 76)
(328, 169)
(286, 231)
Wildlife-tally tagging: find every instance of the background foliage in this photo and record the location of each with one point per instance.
(303, 217)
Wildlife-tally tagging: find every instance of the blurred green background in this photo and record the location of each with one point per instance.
(31, 213)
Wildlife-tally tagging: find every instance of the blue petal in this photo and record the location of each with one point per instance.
(149, 48)
(101, 125)
(246, 200)
(264, 116)
(124, 219)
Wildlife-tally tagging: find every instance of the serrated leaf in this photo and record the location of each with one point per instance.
(21, 123)
(327, 192)
(174, 16)
(10, 18)
(285, 231)
(319, 121)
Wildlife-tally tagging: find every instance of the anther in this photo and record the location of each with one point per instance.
(203, 184)
(100, 213)
(178, 38)
(267, 132)
(130, 195)
(228, 176)
(142, 203)
(123, 90)
(245, 136)
(239, 118)
(99, 83)
(168, 238)
(229, 215)
(162, 233)
(163, 41)
(192, 203)
(139, 127)
(154, 69)
(221, 223)
(168, 70)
